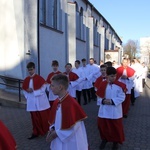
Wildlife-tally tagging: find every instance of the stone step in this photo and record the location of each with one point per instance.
(10, 99)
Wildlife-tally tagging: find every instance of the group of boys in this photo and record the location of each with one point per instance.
(60, 112)
(62, 117)
(115, 94)
(81, 79)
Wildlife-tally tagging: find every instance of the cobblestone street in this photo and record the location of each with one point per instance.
(136, 126)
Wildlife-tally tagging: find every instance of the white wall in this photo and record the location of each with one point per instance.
(11, 38)
(52, 47)
(19, 33)
(81, 51)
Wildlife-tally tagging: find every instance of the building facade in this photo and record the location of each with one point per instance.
(145, 50)
(44, 30)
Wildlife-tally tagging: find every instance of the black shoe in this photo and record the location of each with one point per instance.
(84, 103)
(125, 116)
(33, 137)
(103, 144)
(132, 104)
(89, 100)
(95, 99)
(115, 146)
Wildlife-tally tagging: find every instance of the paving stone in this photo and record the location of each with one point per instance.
(136, 126)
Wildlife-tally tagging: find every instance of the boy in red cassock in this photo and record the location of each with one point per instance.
(51, 96)
(111, 94)
(73, 79)
(101, 78)
(7, 142)
(67, 130)
(34, 87)
(125, 74)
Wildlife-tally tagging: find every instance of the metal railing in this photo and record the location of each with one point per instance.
(14, 80)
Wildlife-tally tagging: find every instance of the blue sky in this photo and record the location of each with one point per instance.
(129, 18)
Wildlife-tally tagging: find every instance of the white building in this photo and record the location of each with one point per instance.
(145, 49)
(44, 30)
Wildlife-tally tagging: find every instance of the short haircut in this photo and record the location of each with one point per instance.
(108, 63)
(92, 59)
(83, 59)
(55, 63)
(133, 61)
(61, 79)
(78, 61)
(124, 59)
(30, 65)
(68, 64)
(111, 71)
(103, 66)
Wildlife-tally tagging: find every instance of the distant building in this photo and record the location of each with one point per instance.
(145, 49)
(44, 30)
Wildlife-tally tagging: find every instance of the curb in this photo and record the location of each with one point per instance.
(10, 103)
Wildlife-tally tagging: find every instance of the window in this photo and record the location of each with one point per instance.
(96, 35)
(106, 42)
(42, 11)
(79, 23)
(50, 13)
(81, 29)
(112, 46)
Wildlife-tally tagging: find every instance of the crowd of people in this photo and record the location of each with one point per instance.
(55, 103)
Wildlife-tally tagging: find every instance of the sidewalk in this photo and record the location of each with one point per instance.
(136, 126)
(11, 99)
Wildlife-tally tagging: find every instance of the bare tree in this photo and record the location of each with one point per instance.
(131, 49)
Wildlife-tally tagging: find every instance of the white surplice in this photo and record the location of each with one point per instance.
(94, 72)
(79, 72)
(37, 100)
(128, 82)
(87, 84)
(74, 138)
(115, 93)
(51, 96)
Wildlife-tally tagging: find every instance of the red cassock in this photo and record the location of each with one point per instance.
(7, 142)
(110, 129)
(72, 76)
(102, 87)
(98, 81)
(48, 80)
(130, 72)
(40, 121)
(38, 82)
(71, 112)
(39, 118)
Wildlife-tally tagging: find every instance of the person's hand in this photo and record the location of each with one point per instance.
(29, 90)
(107, 102)
(123, 77)
(51, 135)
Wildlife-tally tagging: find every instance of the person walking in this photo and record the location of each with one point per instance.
(110, 97)
(34, 87)
(67, 130)
(55, 71)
